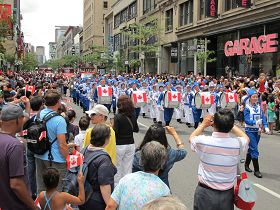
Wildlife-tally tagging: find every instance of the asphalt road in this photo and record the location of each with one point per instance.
(183, 176)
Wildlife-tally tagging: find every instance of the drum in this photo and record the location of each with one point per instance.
(203, 100)
(105, 95)
(172, 99)
(139, 98)
(228, 100)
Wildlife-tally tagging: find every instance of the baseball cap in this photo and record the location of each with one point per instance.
(12, 112)
(99, 109)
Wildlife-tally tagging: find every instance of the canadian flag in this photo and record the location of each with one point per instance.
(231, 97)
(30, 88)
(37, 202)
(43, 135)
(207, 98)
(104, 91)
(74, 160)
(139, 96)
(23, 133)
(174, 96)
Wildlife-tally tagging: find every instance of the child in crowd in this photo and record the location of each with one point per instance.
(54, 200)
(264, 108)
(79, 139)
(271, 113)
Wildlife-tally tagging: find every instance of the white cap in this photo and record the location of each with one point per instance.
(99, 109)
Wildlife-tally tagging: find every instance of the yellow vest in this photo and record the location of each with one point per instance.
(110, 147)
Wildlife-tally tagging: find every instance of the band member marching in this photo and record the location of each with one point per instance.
(212, 109)
(153, 103)
(179, 110)
(254, 119)
(145, 108)
(159, 109)
(115, 96)
(168, 112)
(95, 97)
(129, 92)
(187, 109)
(196, 112)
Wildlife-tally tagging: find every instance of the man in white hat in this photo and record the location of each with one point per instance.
(99, 114)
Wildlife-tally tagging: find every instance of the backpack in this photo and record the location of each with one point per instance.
(36, 134)
(70, 183)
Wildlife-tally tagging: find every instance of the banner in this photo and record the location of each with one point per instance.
(211, 8)
(244, 3)
(174, 52)
(5, 14)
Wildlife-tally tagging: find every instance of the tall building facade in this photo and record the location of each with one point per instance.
(93, 23)
(191, 27)
(40, 53)
(14, 41)
(60, 40)
(69, 47)
(52, 50)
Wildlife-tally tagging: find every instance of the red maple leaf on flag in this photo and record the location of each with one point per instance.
(43, 135)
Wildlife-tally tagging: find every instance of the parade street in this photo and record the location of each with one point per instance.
(183, 176)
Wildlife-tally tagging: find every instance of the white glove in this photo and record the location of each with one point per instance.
(259, 122)
(267, 130)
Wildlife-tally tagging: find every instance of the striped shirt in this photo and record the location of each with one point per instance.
(219, 156)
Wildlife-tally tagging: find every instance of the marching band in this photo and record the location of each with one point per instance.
(189, 102)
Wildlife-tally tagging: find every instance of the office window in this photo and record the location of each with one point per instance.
(132, 10)
(230, 4)
(124, 15)
(105, 5)
(169, 20)
(148, 5)
(186, 13)
(117, 42)
(117, 20)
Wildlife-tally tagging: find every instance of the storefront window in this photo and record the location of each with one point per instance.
(271, 29)
(252, 64)
(222, 60)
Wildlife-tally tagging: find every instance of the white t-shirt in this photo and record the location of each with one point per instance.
(79, 139)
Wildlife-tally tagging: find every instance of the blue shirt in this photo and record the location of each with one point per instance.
(173, 155)
(136, 189)
(55, 126)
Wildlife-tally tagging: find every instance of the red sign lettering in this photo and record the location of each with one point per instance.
(212, 8)
(262, 44)
(244, 3)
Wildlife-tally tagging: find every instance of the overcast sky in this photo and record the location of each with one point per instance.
(41, 16)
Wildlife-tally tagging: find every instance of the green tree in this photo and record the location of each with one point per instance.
(144, 39)
(54, 63)
(71, 60)
(29, 62)
(99, 56)
(203, 56)
(118, 63)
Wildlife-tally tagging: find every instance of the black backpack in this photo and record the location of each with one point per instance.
(70, 183)
(37, 135)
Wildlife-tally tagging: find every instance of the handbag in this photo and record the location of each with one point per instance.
(244, 194)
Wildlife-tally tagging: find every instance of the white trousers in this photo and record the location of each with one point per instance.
(153, 111)
(160, 115)
(178, 113)
(125, 155)
(188, 114)
(145, 109)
